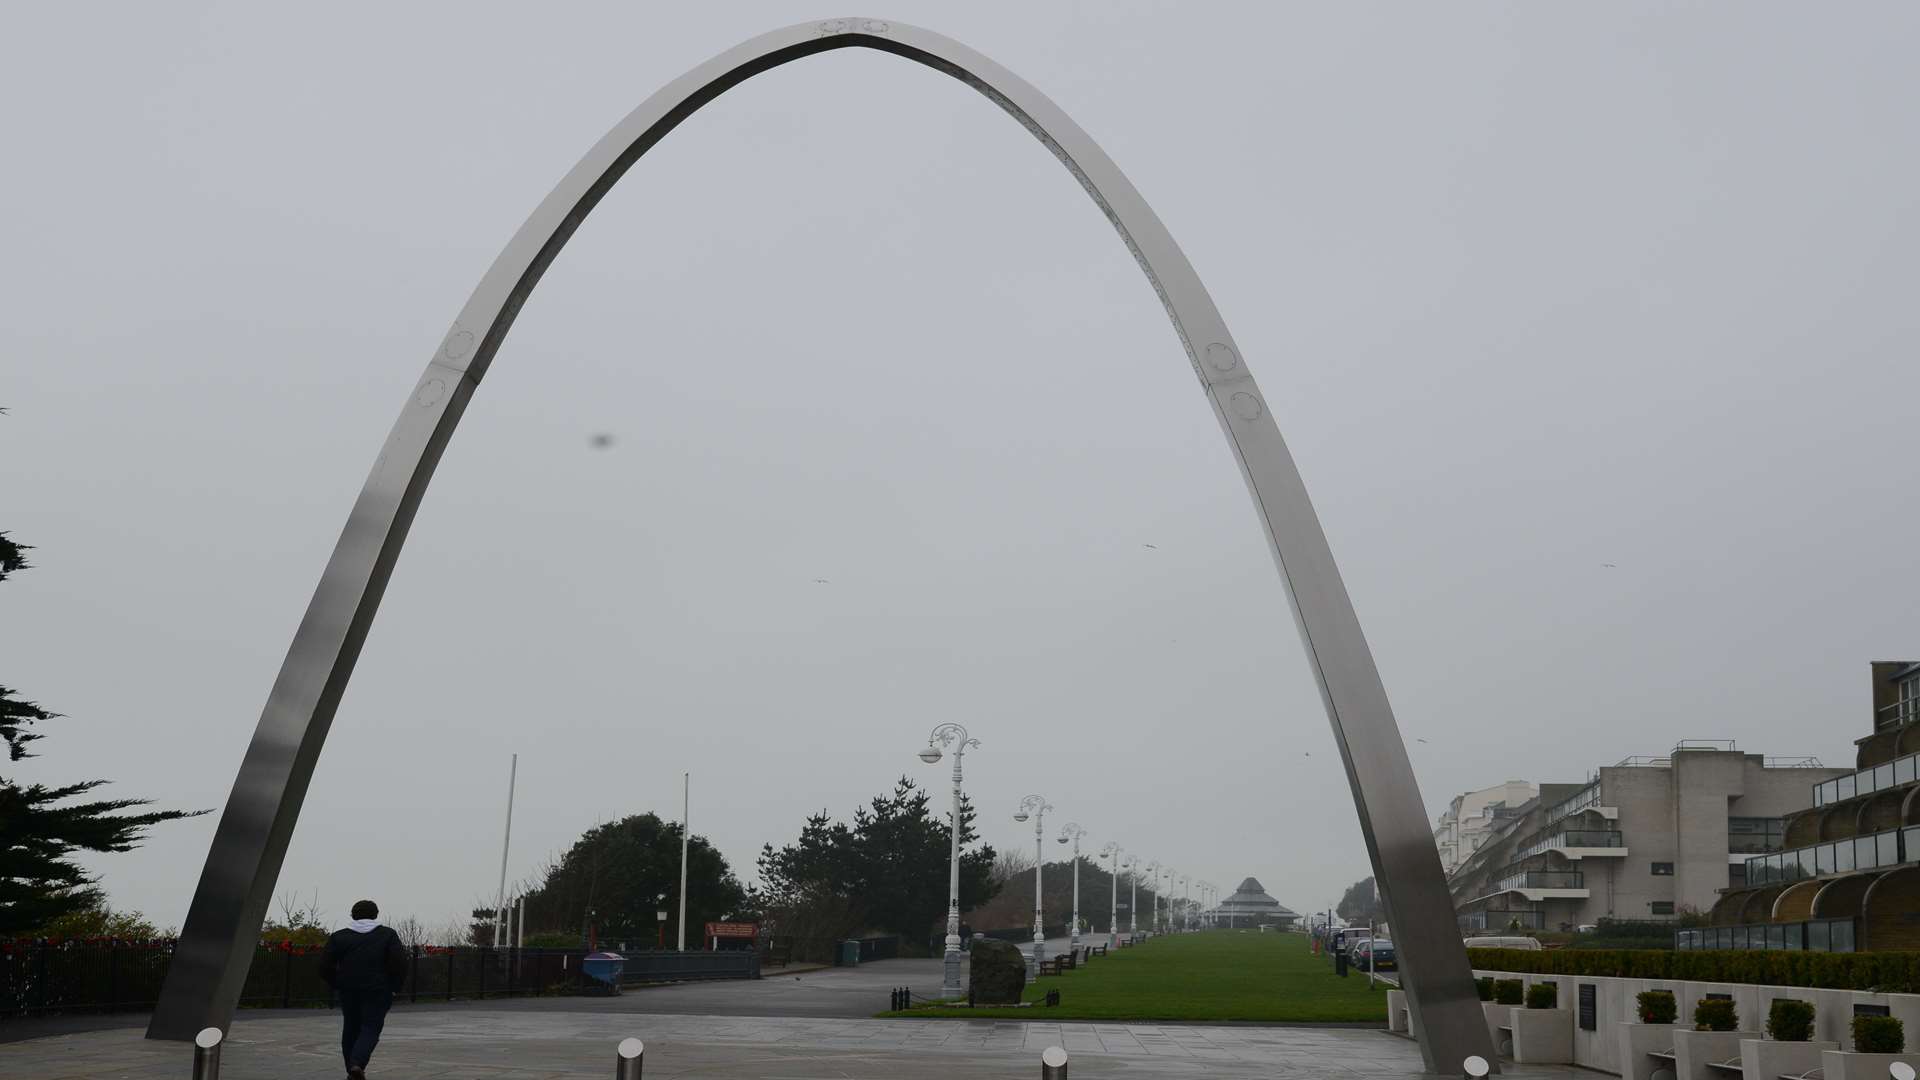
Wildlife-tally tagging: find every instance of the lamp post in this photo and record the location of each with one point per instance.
(1163, 919)
(1133, 896)
(1036, 807)
(1153, 875)
(953, 735)
(1112, 850)
(1186, 903)
(1072, 831)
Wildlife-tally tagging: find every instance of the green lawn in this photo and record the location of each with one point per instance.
(1213, 975)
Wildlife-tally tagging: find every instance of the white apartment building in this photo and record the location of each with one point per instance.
(1470, 819)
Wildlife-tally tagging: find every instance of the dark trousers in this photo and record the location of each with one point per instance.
(364, 1013)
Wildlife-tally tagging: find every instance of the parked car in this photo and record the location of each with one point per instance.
(1345, 938)
(1374, 954)
(1531, 944)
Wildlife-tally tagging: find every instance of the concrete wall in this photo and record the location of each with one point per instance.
(1614, 1004)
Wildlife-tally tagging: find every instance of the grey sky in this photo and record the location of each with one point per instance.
(1531, 288)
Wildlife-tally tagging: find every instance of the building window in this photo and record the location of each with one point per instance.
(1660, 907)
(1753, 835)
(1663, 869)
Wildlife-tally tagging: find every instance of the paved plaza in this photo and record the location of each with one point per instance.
(784, 1027)
(500, 1042)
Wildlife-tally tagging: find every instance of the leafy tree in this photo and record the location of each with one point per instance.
(99, 921)
(1361, 902)
(618, 875)
(41, 827)
(887, 870)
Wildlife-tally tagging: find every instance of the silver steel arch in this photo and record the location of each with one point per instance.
(210, 961)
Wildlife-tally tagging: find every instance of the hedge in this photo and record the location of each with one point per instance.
(1879, 972)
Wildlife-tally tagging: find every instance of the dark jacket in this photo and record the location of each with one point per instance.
(373, 960)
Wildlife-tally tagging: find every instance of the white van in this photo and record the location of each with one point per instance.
(1530, 944)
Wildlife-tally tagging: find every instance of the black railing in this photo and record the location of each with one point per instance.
(115, 976)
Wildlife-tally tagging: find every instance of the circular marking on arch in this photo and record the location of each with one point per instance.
(1221, 357)
(1246, 406)
(431, 392)
(459, 344)
(876, 26)
(834, 26)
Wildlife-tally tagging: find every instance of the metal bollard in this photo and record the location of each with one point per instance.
(1475, 1067)
(1053, 1064)
(627, 1059)
(206, 1054)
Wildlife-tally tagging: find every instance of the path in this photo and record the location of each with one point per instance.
(486, 1042)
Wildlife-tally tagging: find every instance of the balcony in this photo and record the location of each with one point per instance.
(1543, 879)
(1874, 851)
(1882, 777)
(1816, 935)
(1573, 804)
(1578, 844)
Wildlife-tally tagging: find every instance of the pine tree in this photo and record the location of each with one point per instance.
(41, 828)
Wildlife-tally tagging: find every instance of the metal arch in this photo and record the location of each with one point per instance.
(210, 962)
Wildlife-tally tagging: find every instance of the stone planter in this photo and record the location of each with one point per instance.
(1499, 1016)
(1399, 1017)
(1542, 1036)
(1639, 1040)
(1695, 1051)
(1841, 1065)
(1765, 1059)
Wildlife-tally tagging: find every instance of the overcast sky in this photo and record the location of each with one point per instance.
(1532, 289)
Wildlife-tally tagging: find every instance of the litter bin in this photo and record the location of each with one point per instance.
(605, 969)
(849, 954)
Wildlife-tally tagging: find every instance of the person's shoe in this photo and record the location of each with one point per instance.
(356, 1072)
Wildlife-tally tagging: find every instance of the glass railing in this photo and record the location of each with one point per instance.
(1573, 838)
(1543, 879)
(1573, 804)
(1869, 852)
(1816, 935)
(1889, 774)
(1503, 920)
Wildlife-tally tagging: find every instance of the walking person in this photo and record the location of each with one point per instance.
(365, 964)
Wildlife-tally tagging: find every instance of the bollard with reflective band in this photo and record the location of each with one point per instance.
(206, 1054)
(627, 1059)
(1053, 1064)
(1476, 1067)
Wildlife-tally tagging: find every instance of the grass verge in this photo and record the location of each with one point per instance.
(1211, 975)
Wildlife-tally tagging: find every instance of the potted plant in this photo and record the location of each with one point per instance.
(1499, 1010)
(1878, 1042)
(1714, 1040)
(1543, 1032)
(1485, 987)
(1789, 1048)
(1651, 1032)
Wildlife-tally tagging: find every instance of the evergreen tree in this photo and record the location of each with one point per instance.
(885, 871)
(619, 876)
(41, 828)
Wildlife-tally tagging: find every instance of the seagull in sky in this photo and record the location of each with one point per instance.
(821, 581)
(1155, 547)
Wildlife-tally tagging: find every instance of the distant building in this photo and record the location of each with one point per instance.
(1647, 839)
(1848, 874)
(1250, 906)
(1470, 818)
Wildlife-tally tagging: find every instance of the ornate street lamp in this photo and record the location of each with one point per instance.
(1153, 874)
(1072, 831)
(1112, 850)
(1132, 867)
(1036, 807)
(953, 735)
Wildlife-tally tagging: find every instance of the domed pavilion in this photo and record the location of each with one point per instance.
(1249, 907)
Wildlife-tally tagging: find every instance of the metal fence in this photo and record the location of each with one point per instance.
(118, 976)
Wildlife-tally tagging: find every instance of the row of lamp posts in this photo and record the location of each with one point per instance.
(954, 737)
